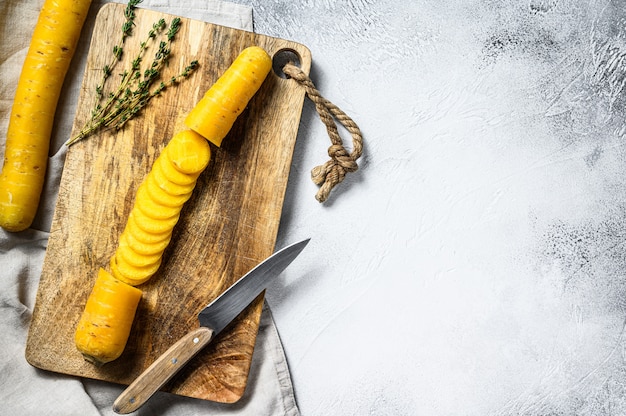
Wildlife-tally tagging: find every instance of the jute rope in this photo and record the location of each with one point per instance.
(341, 161)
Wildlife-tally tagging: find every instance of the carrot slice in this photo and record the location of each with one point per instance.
(133, 258)
(174, 175)
(144, 236)
(145, 248)
(130, 274)
(153, 209)
(151, 225)
(160, 196)
(167, 185)
(188, 152)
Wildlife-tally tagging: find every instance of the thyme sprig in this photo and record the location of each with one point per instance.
(118, 49)
(137, 83)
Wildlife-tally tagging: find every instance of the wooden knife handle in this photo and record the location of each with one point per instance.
(162, 370)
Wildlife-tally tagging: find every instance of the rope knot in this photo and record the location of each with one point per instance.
(341, 156)
(341, 161)
(327, 175)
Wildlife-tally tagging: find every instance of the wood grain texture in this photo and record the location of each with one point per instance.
(227, 227)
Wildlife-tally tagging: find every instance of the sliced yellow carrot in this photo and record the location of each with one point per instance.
(188, 152)
(135, 259)
(105, 324)
(28, 136)
(167, 185)
(130, 274)
(216, 112)
(152, 209)
(162, 197)
(143, 236)
(146, 248)
(174, 175)
(152, 225)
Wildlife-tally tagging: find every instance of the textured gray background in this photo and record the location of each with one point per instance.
(475, 264)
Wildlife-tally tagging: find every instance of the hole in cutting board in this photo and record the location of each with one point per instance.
(283, 57)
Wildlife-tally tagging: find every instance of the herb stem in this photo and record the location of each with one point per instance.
(134, 91)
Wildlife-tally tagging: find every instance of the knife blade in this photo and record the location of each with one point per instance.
(213, 319)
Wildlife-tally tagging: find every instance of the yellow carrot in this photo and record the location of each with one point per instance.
(173, 176)
(216, 112)
(28, 136)
(170, 182)
(105, 324)
(152, 219)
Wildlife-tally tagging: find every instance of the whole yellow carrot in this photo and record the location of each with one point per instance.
(28, 137)
(167, 187)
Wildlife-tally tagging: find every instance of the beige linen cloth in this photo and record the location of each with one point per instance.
(25, 390)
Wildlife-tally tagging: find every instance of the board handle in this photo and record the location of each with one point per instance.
(162, 370)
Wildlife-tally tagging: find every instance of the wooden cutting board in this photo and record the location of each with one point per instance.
(227, 227)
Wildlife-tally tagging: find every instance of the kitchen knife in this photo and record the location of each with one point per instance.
(213, 319)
